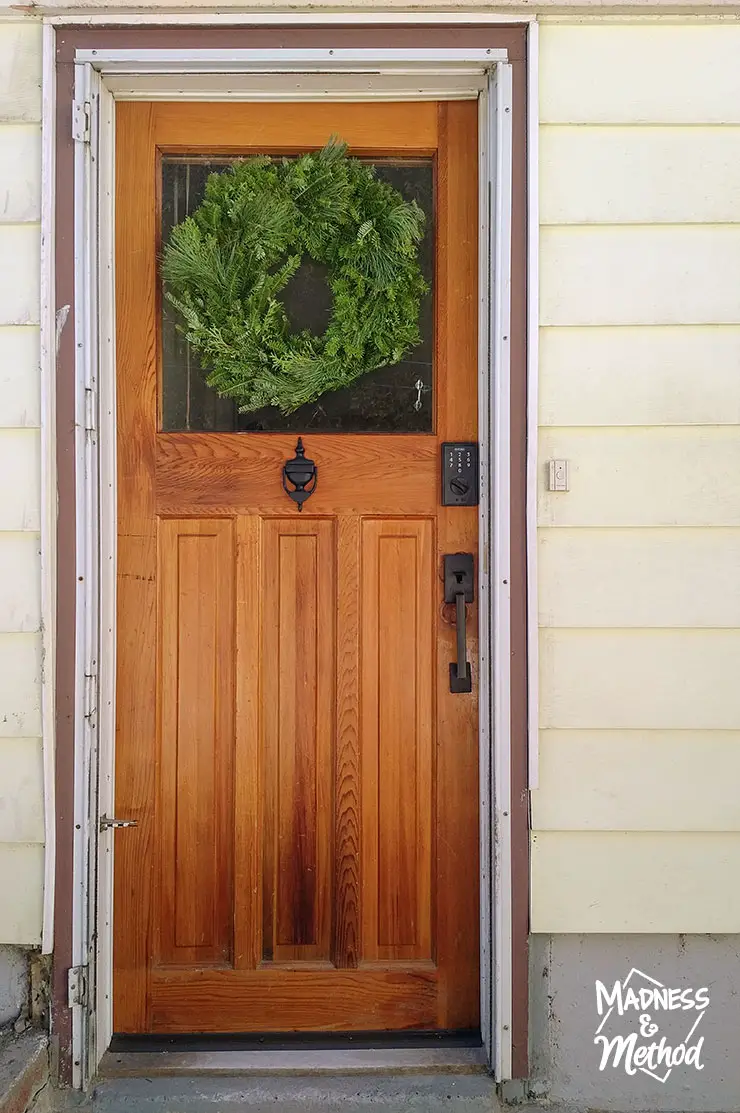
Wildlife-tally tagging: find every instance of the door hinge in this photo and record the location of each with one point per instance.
(91, 694)
(81, 116)
(77, 986)
(91, 417)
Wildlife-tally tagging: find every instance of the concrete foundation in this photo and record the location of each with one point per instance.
(565, 1060)
(363, 1094)
(14, 983)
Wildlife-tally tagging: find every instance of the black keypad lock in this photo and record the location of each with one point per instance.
(460, 473)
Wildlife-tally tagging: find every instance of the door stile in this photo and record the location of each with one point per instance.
(347, 920)
(248, 771)
(137, 714)
(457, 531)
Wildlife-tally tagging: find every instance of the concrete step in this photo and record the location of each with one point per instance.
(430, 1093)
(24, 1070)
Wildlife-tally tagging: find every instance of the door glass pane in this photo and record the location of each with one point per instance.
(395, 399)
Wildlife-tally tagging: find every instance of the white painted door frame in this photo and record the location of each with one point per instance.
(101, 77)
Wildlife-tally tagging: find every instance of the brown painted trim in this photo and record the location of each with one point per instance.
(68, 40)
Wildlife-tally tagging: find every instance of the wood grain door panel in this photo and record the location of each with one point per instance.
(297, 665)
(397, 727)
(196, 686)
(305, 784)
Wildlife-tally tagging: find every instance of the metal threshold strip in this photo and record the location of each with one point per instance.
(296, 1053)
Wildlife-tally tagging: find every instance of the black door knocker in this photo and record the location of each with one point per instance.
(299, 471)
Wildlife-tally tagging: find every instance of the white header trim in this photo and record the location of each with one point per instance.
(205, 17)
(287, 74)
(440, 63)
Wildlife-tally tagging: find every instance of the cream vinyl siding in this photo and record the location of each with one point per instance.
(639, 578)
(644, 375)
(661, 476)
(598, 72)
(636, 821)
(636, 881)
(625, 772)
(645, 175)
(640, 679)
(21, 774)
(636, 827)
(662, 274)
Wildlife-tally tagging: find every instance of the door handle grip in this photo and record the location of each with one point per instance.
(460, 677)
(460, 589)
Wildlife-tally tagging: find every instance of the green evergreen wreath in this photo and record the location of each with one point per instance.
(225, 265)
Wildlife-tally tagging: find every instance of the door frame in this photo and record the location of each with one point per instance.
(102, 75)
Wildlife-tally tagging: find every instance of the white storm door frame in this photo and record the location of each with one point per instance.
(101, 78)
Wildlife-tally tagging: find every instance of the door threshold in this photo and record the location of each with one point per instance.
(309, 1053)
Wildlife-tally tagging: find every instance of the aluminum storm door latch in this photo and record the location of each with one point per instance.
(108, 824)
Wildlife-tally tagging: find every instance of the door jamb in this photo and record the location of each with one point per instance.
(494, 566)
(96, 517)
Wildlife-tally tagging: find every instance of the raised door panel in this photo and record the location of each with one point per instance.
(397, 738)
(196, 602)
(297, 668)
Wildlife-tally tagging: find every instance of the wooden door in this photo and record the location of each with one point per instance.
(305, 784)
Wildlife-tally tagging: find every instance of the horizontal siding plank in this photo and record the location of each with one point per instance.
(641, 74)
(19, 499)
(20, 173)
(637, 781)
(20, 72)
(672, 375)
(643, 175)
(639, 577)
(646, 882)
(640, 679)
(20, 583)
(20, 686)
(22, 882)
(19, 284)
(22, 795)
(19, 377)
(643, 477)
(640, 275)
